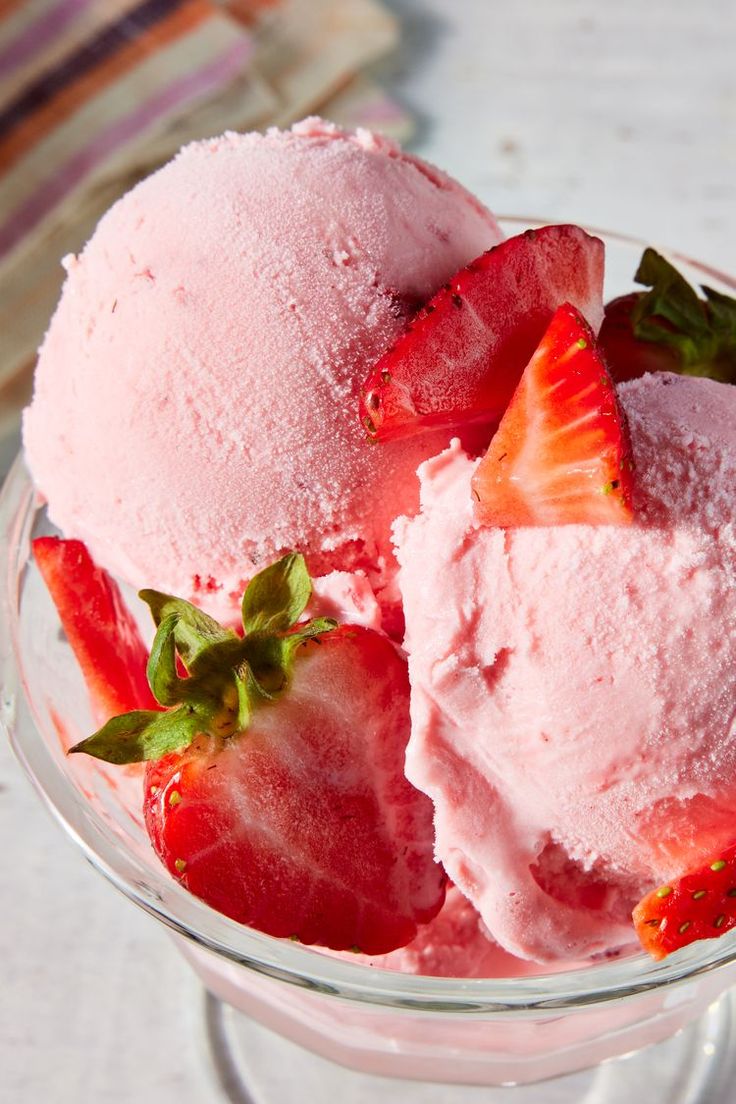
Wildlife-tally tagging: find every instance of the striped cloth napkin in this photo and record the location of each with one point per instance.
(96, 93)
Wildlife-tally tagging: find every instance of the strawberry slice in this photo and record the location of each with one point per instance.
(462, 355)
(98, 625)
(561, 454)
(276, 790)
(699, 905)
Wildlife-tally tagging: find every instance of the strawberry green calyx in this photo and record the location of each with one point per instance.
(228, 675)
(700, 333)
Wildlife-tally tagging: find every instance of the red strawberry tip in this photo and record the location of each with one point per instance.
(701, 904)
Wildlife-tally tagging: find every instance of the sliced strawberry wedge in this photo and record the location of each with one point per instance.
(462, 355)
(561, 454)
(98, 625)
(699, 905)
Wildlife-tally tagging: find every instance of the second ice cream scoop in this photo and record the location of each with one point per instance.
(574, 686)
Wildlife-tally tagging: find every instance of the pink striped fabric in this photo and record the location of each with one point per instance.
(35, 38)
(175, 97)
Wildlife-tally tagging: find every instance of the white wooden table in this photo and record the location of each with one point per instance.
(618, 115)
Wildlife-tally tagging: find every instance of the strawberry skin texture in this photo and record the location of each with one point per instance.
(700, 905)
(626, 356)
(98, 625)
(304, 825)
(561, 454)
(462, 355)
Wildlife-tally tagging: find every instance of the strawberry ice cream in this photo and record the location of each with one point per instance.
(198, 412)
(194, 407)
(455, 944)
(574, 685)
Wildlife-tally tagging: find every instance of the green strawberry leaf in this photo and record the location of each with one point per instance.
(142, 734)
(309, 630)
(219, 656)
(228, 675)
(723, 311)
(700, 332)
(264, 686)
(244, 697)
(276, 598)
(270, 658)
(267, 661)
(163, 678)
(195, 631)
(671, 296)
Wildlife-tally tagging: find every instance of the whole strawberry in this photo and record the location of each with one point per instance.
(276, 788)
(669, 328)
(628, 356)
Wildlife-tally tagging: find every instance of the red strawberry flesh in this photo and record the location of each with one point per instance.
(304, 825)
(626, 356)
(699, 905)
(462, 355)
(98, 625)
(561, 454)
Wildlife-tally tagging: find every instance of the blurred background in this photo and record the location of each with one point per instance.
(620, 116)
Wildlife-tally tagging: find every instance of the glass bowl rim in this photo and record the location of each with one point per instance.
(295, 964)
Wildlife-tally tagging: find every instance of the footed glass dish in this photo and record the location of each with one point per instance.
(431, 1031)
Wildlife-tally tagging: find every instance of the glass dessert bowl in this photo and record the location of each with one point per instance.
(494, 1031)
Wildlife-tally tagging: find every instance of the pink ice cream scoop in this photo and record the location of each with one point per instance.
(195, 402)
(454, 944)
(574, 687)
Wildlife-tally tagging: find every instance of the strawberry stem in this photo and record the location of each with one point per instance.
(228, 675)
(701, 333)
